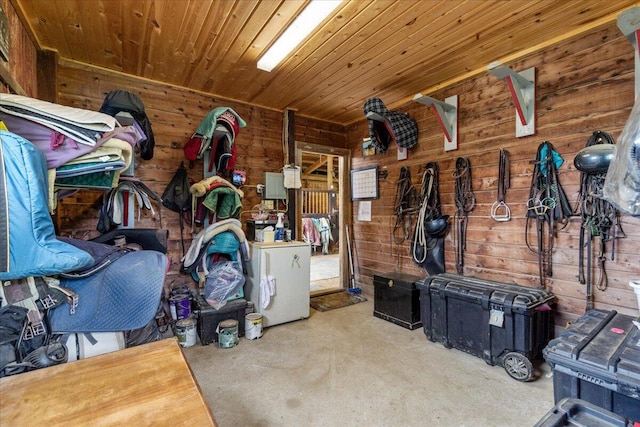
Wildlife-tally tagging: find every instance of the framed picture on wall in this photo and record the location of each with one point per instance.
(368, 148)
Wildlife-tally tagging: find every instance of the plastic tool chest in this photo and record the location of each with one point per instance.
(397, 299)
(208, 317)
(578, 413)
(505, 324)
(597, 359)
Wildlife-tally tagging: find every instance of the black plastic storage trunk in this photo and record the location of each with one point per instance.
(209, 317)
(503, 323)
(580, 413)
(597, 359)
(397, 299)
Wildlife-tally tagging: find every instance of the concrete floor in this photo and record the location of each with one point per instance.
(346, 367)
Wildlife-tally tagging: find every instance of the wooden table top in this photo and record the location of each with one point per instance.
(147, 385)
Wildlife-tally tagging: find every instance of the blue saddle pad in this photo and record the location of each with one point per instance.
(123, 296)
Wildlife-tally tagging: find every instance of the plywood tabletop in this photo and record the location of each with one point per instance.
(151, 384)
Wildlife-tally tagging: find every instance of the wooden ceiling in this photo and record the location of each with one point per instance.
(384, 48)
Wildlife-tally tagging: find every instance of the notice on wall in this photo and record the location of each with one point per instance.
(364, 211)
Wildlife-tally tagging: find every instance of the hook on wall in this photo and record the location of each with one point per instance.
(447, 114)
(522, 86)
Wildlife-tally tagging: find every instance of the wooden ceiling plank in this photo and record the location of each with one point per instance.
(360, 12)
(231, 30)
(160, 56)
(246, 76)
(205, 40)
(400, 51)
(191, 29)
(133, 15)
(392, 60)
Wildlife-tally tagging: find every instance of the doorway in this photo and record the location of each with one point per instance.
(322, 208)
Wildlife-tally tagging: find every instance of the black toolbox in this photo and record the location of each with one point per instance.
(502, 323)
(580, 413)
(397, 299)
(597, 359)
(208, 317)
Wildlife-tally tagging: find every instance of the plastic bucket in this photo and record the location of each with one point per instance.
(635, 285)
(253, 326)
(186, 332)
(228, 333)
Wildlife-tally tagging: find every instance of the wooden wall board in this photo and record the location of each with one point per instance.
(583, 85)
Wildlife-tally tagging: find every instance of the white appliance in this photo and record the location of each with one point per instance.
(288, 264)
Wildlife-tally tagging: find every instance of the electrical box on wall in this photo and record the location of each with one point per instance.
(274, 186)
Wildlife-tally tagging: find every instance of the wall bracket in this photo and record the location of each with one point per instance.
(447, 114)
(522, 86)
(629, 24)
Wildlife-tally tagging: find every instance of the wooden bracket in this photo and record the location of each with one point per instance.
(447, 114)
(629, 24)
(522, 86)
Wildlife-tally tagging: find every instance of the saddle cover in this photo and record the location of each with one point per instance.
(124, 295)
(398, 127)
(29, 245)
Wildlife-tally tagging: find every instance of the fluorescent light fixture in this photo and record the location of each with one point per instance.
(312, 15)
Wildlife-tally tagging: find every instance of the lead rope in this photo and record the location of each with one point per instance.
(465, 202)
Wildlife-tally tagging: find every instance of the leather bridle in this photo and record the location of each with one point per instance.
(599, 220)
(548, 205)
(404, 206)
(465, 202)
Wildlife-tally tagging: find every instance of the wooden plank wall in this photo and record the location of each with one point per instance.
(175, 113)
(583, 85)
(19, 73)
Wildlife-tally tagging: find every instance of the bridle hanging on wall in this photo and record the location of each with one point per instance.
(404, 206)
(465, 202)
(547, 204)
(599, 218)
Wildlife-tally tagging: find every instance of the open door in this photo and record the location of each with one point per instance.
(322, 206)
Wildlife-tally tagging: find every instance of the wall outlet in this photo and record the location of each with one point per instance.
(268, 204)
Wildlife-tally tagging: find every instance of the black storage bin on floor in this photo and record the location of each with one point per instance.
(208, 317)
(502, 323)
(397, 299)
(597, 359)
(579, 413)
